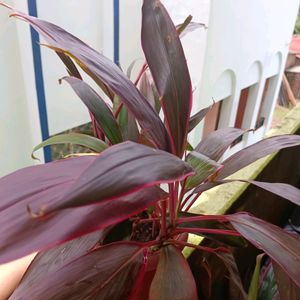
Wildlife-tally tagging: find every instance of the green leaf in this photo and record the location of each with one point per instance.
(73, 138)
(204, 167)
(181, 27)
(254, 285)
(126, 121)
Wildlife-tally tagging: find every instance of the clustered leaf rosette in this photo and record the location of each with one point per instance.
(103, 225)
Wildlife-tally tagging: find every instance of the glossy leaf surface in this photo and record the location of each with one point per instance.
(282, 247)
(108, 272)
(52, 260)
(22, 234)
(173, 278)
(121, 169)
(167, 63)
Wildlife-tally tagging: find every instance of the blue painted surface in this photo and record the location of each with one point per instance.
(117, 32)
(39, 80)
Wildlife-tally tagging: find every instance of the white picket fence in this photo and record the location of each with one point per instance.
(246, 44)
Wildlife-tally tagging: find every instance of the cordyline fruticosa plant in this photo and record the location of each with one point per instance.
(103, 225)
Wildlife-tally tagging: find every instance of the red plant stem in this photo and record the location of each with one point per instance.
(118, 110)
(202, 218)
(182, 192)
(143, 69)
(172, 205)
(192, 201)
(163, 228)
(176, 204)
(208, 230)
(185, 201)
(202, 248)
(157, 209)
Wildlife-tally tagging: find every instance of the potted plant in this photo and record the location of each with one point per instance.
(103, 225)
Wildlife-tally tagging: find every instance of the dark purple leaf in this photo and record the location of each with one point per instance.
(71, 67)
(21, 234)
(52, 260)
(283, 190)
(167, 63)
(252, 153)
(97, 106)
(173, 278)
(119, 170)
(234, 275)
(108, 272)
(286, 287)
(281, 246)
(217, 142)
(198, 117)
(101, 68)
